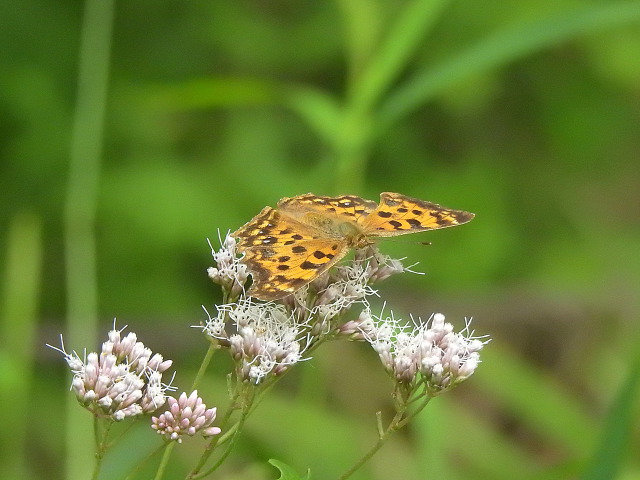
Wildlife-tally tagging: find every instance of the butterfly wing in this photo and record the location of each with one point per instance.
(398, 214)
(346, 208)
(283, 254)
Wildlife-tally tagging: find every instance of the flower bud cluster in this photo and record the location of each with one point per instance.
(185, 416)
(431, 350)
(124, 380)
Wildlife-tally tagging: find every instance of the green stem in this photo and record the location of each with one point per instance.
(237, 429)
(165, 460)
(144, 461)
(246, 408)
(201, 371)
(204, 365)
(399, 421)
(393, 426)
(18, 333)
(101, 444)
(405, 35)
(80, 208)
(355, 134)
(351, 156)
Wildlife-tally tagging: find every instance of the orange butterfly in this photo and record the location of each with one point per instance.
(288, 247)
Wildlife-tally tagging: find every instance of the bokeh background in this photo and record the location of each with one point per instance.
(131, 133)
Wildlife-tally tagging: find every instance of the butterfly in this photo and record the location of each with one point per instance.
(287, 247)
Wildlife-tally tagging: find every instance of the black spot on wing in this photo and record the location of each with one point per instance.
(307, 265)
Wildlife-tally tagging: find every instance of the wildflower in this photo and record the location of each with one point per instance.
(229, 272)
(266, 338)
(185, 416)
(431, 350)
(124, 380)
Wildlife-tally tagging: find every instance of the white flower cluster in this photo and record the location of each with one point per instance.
(266, 341)
(124, 380)
(186, 416)
(442, 357)
(342, 288)
(229, 272)
(267, 338)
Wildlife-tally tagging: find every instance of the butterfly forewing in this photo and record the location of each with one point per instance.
(348, 208)
(397, 215)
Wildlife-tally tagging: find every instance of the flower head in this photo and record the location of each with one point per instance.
(124, 380)
(431, 350)
(185, 416)
(266, 339)
(229, 272)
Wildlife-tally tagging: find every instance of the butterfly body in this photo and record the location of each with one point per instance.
(288, 247)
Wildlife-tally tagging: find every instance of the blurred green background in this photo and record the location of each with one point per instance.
(130, 136)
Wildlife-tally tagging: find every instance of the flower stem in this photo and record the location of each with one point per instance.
(234, 438)
(204, 365)
(165, 461)
(393, 426)
(400, 419)
(246, 407)
(101, 444)
(144, 461)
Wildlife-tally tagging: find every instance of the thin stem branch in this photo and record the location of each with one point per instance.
(101, 438)
(393, 426)
(204, 365)
(145, 460)
(248, 399)
(400, 419)
(164, 461)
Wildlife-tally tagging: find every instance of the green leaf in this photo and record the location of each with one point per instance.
(319, 109)
(614, 441)
(288, 473)
(405, 34)
(542, 405)
(505, 46)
